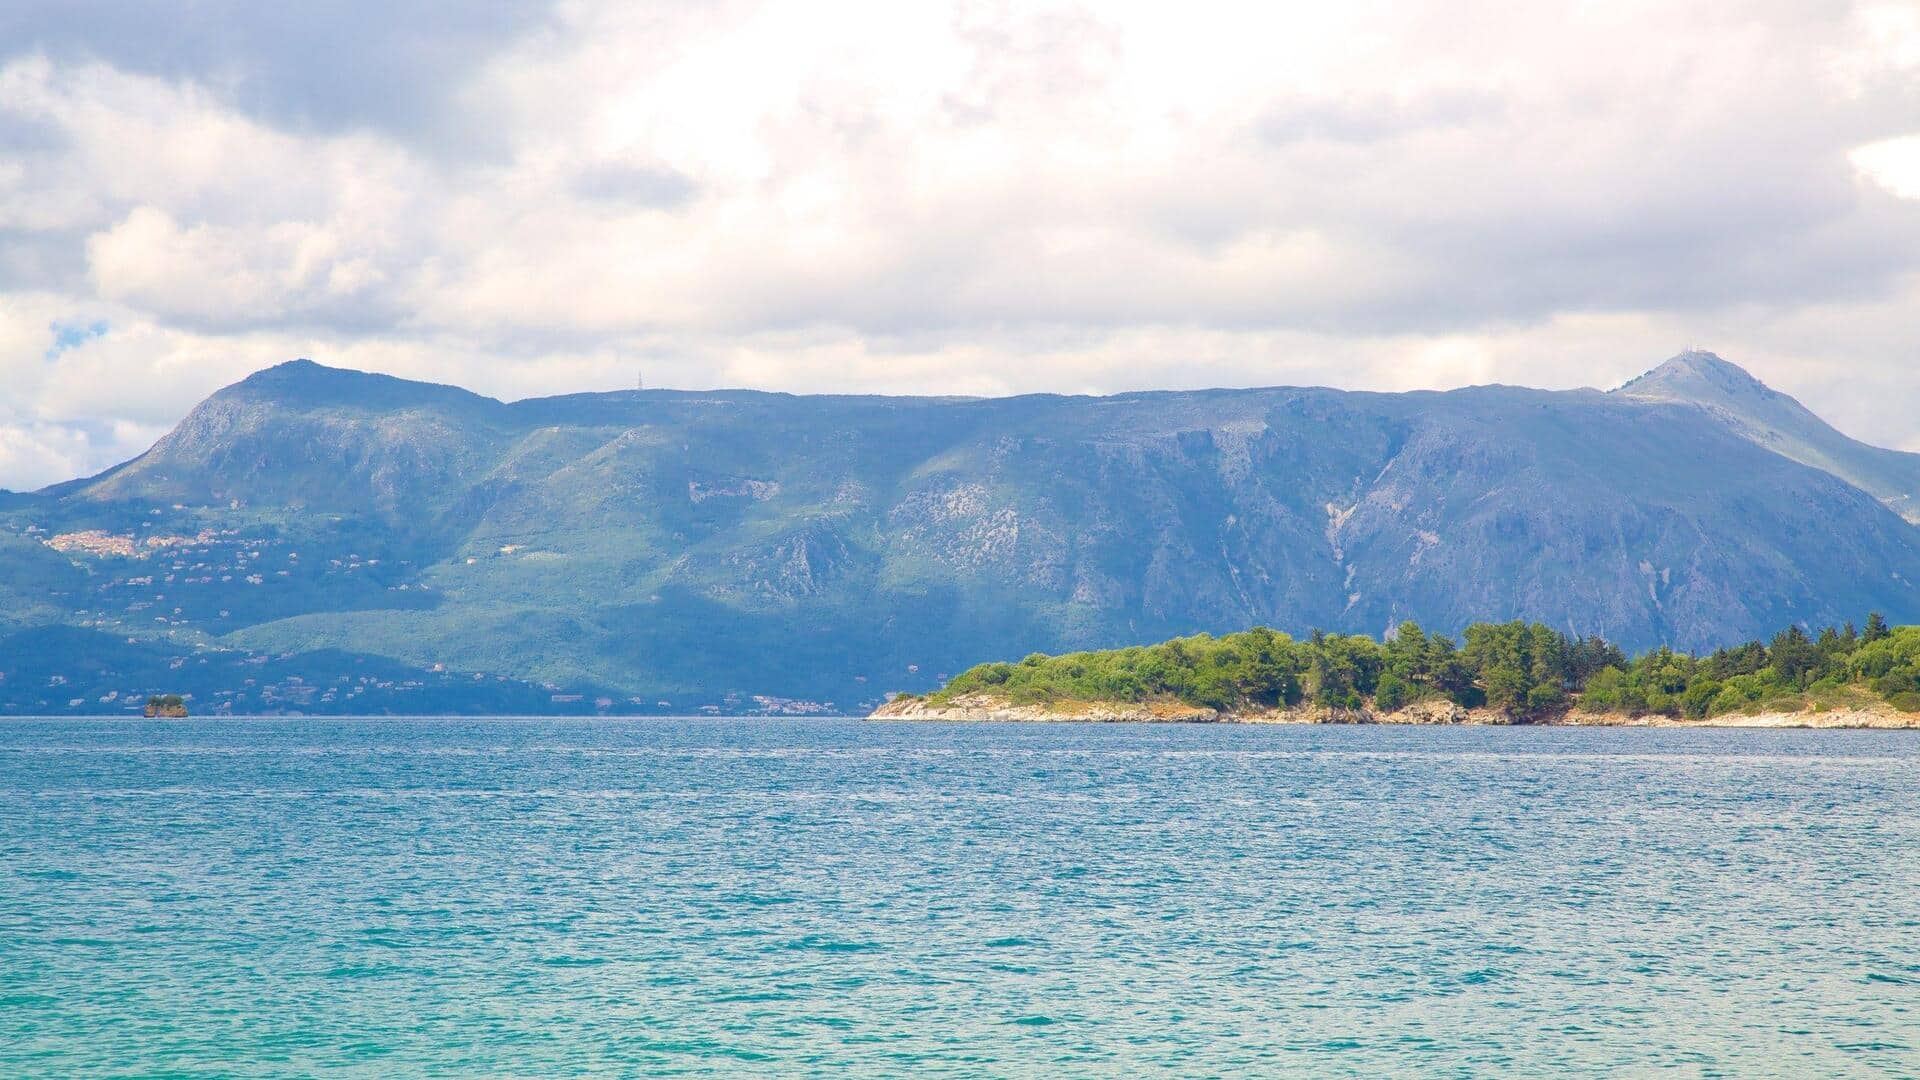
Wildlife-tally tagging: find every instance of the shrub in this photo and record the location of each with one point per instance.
(1392, 694)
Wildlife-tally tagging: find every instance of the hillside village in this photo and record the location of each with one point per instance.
(174, 594)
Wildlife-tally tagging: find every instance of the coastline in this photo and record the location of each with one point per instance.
(982, 708)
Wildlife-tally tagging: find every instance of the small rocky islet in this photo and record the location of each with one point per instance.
(166, 707)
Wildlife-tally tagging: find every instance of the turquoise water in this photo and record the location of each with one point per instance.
(722, 897)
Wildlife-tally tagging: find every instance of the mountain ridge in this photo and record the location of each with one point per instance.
(711, 548)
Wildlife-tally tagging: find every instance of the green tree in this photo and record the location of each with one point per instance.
(1451, 676)
(1794, 657)
(1522, 669)
(1393, 693)
(1507, 689)
(1407, 654)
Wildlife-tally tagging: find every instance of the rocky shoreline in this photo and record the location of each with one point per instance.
(981, 708)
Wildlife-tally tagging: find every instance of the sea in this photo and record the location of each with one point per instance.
(708, 897)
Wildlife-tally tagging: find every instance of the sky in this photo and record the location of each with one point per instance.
(934, 197)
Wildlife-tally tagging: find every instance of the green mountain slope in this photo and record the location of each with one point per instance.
(743, 550)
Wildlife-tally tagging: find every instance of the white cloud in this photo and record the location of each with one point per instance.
(1894, 164)
(961, 197)
(32, 457)
(223, 274)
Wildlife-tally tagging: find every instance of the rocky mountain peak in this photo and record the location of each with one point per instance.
(1695, 375)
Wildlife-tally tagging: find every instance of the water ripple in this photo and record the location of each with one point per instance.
(539, 897)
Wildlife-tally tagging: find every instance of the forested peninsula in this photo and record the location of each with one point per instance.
(1497, 673)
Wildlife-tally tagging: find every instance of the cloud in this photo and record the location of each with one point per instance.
(1894, 164)
(227, 275)
(395, 65)
(952, 197)
(33, 457)
(639, 185)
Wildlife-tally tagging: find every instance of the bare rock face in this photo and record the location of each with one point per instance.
(1436, 712)
(983, 708)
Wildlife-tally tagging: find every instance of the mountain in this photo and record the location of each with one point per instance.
(316, 539)
(1748, 406)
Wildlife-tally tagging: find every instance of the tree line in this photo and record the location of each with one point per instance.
(1526, 670)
